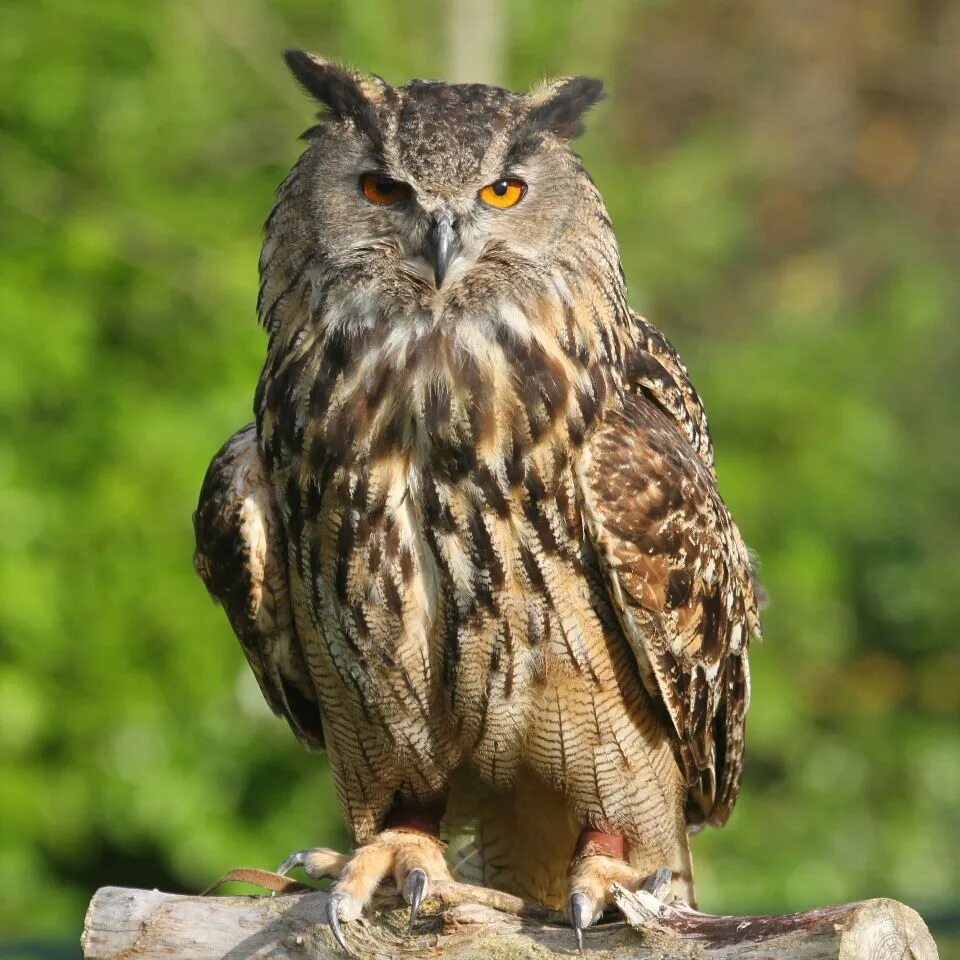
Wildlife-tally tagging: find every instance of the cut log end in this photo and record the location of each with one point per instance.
(464, 923)
(882, 929)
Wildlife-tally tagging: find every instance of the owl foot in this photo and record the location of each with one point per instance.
(411, 859)
(597, 865)
(319, 863)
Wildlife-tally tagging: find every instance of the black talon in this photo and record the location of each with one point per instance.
(415, 887)
(333, 921)
(294, 860)
(658, 883)
(579, 916)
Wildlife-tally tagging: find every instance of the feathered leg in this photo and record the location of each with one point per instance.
(600, 861)
(407, 850)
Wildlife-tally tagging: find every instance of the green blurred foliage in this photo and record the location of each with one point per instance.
(783, 181)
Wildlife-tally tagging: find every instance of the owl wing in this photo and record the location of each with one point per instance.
(239, 557)
(679, 576)
(655, 371)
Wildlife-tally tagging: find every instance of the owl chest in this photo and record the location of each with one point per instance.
(443, 603)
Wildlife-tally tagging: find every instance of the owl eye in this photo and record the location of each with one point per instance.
(503, 193)
(382, 190)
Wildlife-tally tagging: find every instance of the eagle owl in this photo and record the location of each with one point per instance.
(472, 544)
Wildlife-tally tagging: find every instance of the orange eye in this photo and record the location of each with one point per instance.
(382, 190)
(503, 193)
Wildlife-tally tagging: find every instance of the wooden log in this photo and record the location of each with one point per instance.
(461, 922)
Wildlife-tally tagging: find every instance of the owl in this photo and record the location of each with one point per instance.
(472, 544)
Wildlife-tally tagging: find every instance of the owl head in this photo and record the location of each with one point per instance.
(433, 192)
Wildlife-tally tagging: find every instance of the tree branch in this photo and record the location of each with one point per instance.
(462, 922)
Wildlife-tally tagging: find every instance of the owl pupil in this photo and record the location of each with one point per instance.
(386, 185)
(500, 187)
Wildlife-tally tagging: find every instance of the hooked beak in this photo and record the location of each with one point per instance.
(441, 246)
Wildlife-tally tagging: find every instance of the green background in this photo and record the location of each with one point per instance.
(784, 182)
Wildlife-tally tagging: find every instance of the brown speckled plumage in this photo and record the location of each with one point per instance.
(474, 542)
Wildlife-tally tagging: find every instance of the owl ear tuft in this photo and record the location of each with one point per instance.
(558, 106)
(344, 94)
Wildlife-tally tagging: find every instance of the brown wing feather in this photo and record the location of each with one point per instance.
(240, 559)
(656, 371)
(679, 575)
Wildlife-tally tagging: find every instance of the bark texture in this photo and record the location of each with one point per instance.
(464, 923)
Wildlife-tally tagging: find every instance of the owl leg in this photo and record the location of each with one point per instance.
(408, 851)
(598, 862)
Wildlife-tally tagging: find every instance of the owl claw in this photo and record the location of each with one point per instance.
(318, 863)
(333, 920)
(294, 860)
(415, 888)
(658, 883)
(580, 916)
(408, 859)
